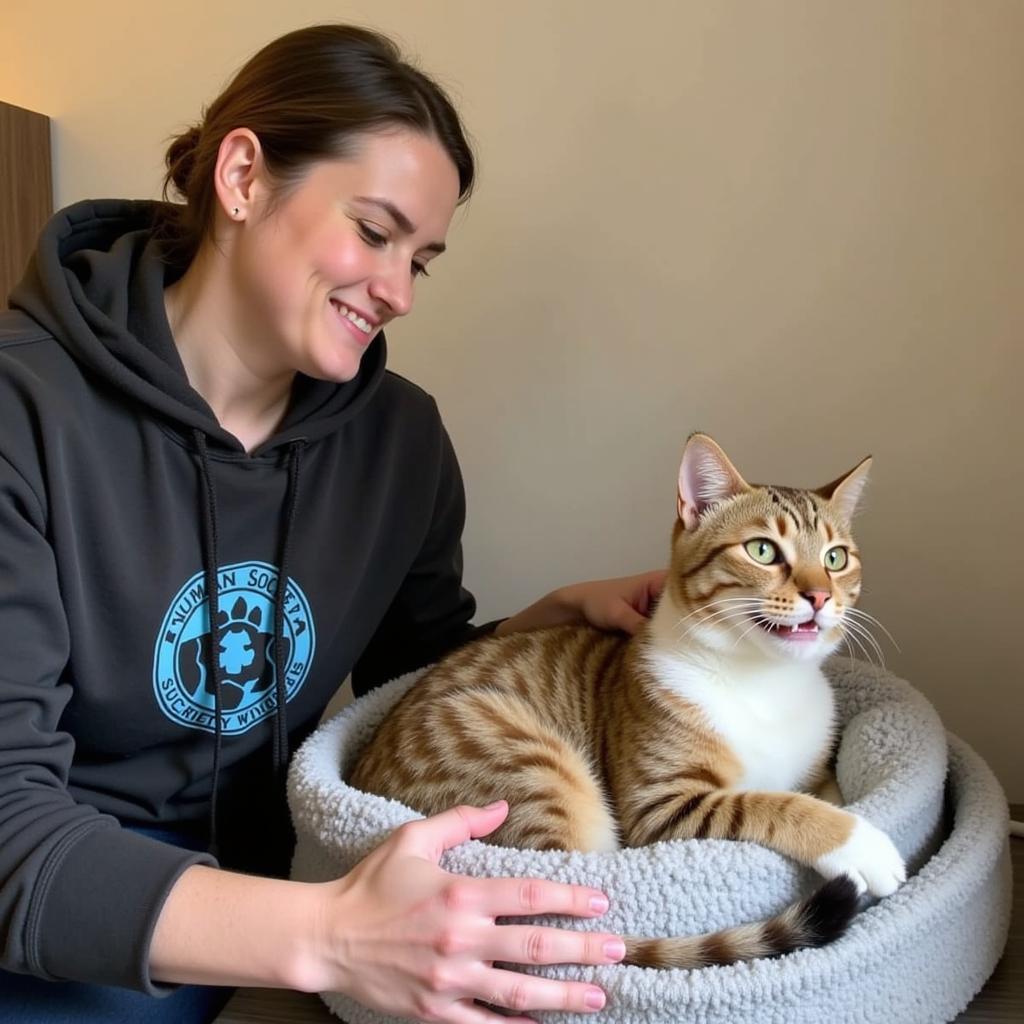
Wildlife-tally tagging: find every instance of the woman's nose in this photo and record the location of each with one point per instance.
(393, 287)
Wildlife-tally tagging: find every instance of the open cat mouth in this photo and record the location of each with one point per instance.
(799, 632)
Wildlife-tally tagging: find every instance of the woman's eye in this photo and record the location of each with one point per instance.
(419, 270)
(371, 236)
(836, 559)
(762, 551)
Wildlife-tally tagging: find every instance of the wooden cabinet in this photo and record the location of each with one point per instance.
(26, 190)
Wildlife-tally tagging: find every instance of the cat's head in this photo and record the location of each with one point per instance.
(761, 567)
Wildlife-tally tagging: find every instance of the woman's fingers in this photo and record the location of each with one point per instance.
(470, 1013)
(526, 897)
(524, 992)
(523, 944)
(430, 837)
(510, 990)
(533, 897)
(417, 941)
(654, 583)
(621, 603)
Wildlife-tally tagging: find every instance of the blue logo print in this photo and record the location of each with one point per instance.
(244, 644)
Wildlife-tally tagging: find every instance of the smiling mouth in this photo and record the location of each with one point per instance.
(360, 323)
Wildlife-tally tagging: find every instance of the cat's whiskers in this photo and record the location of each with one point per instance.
(849, 646)
(855, 631)
(874, 646)
(740, 620)
(724, 615)
(845, 642)
(759, 621)
(719, 601)
(848, 637)
(858, 614)
(864, 630)
(723, 606)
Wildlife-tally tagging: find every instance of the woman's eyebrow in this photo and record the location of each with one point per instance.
(400, 219)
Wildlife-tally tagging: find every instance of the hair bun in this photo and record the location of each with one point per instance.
(181, 159)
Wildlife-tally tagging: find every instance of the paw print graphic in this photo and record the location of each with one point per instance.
(245, 651)
(238, 635)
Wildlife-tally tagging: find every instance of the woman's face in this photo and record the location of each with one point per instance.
(337, 258)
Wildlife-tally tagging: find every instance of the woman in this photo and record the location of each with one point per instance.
(193, 406)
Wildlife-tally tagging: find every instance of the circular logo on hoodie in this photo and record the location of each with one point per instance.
(242, 642)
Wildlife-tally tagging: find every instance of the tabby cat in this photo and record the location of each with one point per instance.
(714, 720)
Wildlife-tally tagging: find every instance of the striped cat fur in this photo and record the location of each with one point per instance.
(714, 720)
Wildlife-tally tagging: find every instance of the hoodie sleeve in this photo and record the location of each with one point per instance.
(79, 895)
(430, 615)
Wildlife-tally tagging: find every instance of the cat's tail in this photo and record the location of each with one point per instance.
(815, 921)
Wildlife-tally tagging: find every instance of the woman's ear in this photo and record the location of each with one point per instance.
(237, 175)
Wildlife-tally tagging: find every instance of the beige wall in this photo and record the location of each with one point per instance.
(797, 225)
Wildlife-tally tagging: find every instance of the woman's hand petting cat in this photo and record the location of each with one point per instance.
(622, 603)
(405, 937)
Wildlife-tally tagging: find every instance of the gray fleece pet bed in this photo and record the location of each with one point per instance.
(917, 957)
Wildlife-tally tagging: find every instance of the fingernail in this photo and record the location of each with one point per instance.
(615, 949)
(495, 805)
(599, 904)
(594, 999)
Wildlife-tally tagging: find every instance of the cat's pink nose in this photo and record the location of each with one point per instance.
(816, 597)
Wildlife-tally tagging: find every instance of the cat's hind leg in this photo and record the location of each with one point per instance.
(554, 796)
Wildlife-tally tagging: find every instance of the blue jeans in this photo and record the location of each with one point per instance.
(28, 1000)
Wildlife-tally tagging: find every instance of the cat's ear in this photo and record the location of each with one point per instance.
(706, 477)
(845, 493)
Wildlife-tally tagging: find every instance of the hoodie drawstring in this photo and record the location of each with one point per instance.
(291, 501)
(210, 570)
(209, 517)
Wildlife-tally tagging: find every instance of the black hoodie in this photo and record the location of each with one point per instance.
(123, 507)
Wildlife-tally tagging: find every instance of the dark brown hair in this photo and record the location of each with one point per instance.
(307, 96)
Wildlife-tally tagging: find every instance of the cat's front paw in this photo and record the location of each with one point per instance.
(869, 858)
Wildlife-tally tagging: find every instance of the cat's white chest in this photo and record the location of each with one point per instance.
(777, 721)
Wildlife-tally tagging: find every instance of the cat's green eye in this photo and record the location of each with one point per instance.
(762, 551)
(836, 559)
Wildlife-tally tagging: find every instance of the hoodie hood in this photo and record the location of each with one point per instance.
(96, 283)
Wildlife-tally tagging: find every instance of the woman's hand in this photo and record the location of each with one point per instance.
(404, 937)
(621, 603)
